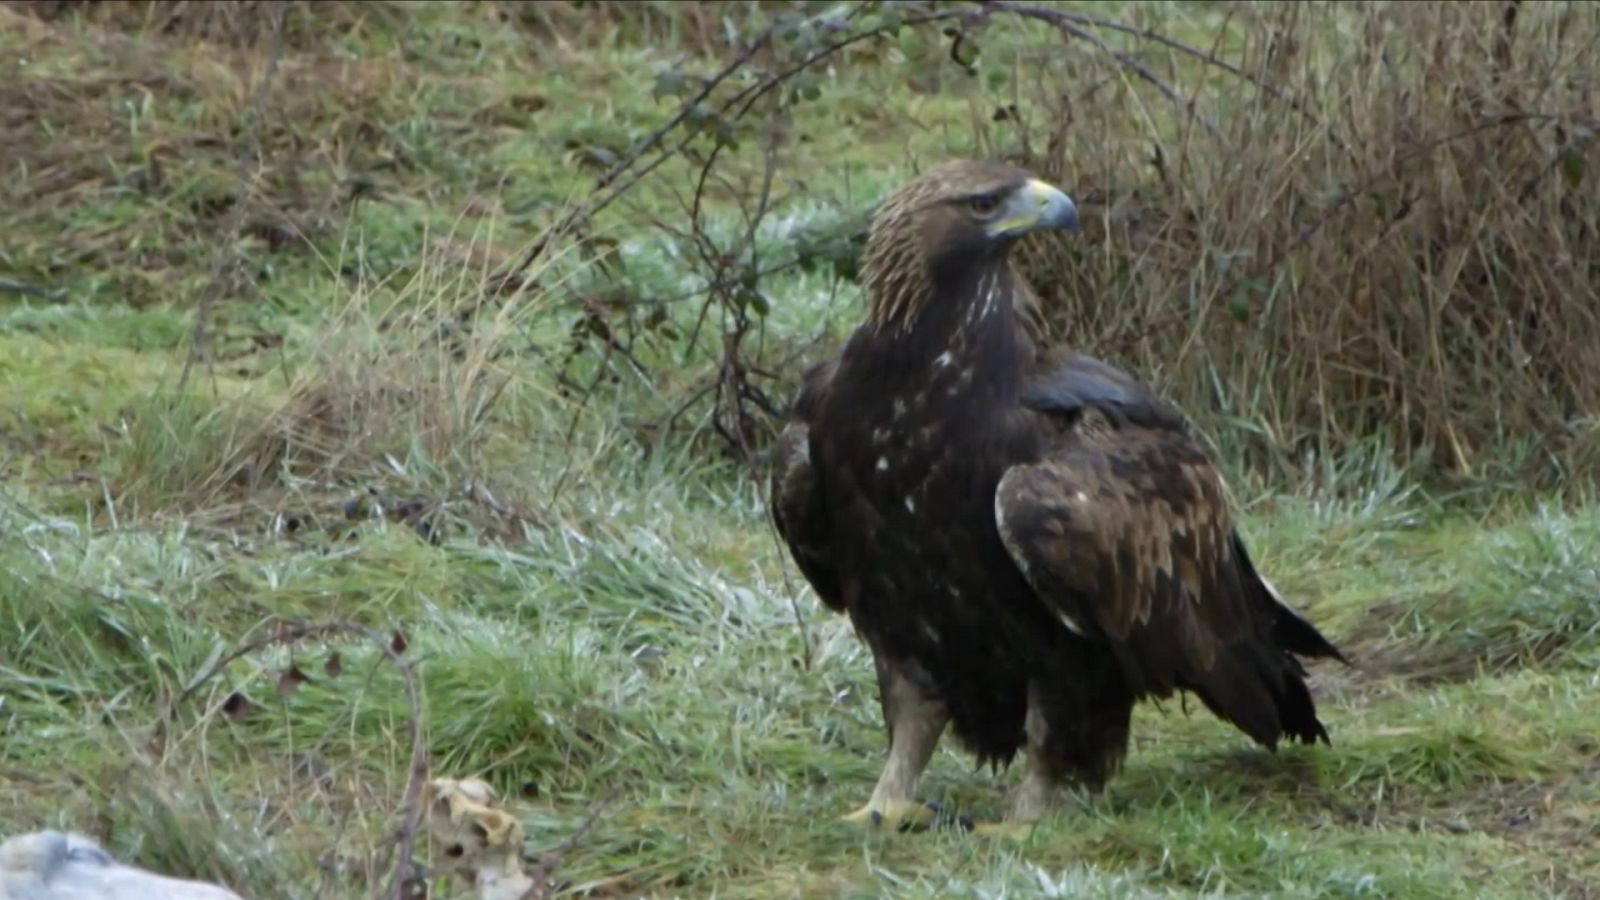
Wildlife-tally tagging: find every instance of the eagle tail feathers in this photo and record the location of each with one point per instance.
(1268, 697)
(1290, 630)
(1264, 694)
(1294, 634)
(1298, 711)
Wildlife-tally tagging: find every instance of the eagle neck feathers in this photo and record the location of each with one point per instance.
(965, 336)
(939, 393)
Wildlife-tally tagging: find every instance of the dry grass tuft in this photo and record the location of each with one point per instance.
(1410, 257)
(240, 23)
(694, 27)
(388, 382)
(395, 394)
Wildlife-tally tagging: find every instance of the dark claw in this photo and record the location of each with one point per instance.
(911, 825)
(945, 817)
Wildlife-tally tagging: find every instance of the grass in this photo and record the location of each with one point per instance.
(650, 649)
(601, 618)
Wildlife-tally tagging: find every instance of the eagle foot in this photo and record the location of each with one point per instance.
(903, 816)
(1006, 831)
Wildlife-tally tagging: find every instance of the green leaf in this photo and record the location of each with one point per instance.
(760, 303)
(1572, 166)
(1239, 306)
(670, 83)
(806, 86)
(724, 134)
(597, 158)
(786, 26)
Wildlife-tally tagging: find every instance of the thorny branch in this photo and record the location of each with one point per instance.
(610, 186)
(732, 368)
(622, 176)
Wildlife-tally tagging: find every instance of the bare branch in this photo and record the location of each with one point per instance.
(611, 189)
(1208, 58)
(1068, 27)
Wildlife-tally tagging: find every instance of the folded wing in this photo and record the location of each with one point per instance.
(795, 494)
(1123, 528)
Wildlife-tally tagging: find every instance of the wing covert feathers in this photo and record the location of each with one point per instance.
(1124, 531)
(796, 495)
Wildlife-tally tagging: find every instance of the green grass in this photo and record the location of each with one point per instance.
(649, 648)
(603, 615)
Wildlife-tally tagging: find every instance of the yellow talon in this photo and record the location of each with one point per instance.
(861, 816)
(1009, 831)
(893, 815)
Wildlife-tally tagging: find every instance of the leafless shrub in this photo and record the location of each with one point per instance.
(1392, 235)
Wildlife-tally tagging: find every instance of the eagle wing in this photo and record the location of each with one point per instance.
(1123, 529)
(796, 498)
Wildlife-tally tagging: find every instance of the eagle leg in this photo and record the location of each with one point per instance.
(1034, 796)
(1071, 739)
(916, 720)
(1011, 831)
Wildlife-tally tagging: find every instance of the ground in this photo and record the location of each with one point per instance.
(604, 628)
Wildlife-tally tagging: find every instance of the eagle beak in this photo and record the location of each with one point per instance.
(1036, 206)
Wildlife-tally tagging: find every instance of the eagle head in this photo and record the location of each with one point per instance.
(953, 219)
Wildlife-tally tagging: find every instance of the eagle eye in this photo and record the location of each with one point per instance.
(984, 205)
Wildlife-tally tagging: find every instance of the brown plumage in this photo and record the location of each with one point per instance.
(1028, 543)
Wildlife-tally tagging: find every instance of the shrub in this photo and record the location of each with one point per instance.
(1392, 234)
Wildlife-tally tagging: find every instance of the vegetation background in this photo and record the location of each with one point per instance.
(352, 347)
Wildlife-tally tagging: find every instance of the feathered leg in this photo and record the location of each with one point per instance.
(916, 719)
(1036, 793)
(1077, 733)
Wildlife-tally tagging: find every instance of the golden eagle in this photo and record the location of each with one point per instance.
(1029, 544)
